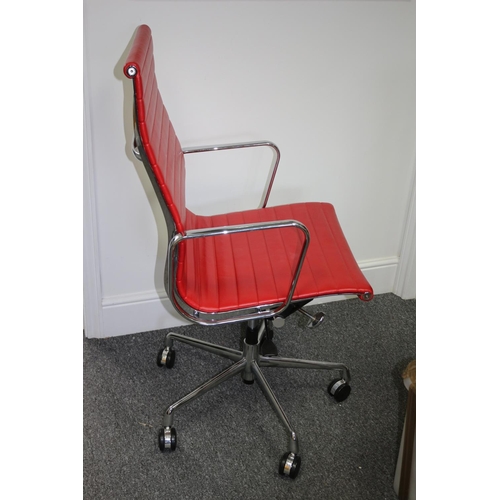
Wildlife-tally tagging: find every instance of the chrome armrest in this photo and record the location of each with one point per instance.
(241, 145)
(240, 228)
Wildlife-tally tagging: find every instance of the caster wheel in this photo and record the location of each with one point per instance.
(339, 389)
(167, 439)
(289, 465)
(166, 358)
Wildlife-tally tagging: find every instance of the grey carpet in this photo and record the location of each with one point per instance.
(229, 440)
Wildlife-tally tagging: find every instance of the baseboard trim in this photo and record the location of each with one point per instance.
(151, 310)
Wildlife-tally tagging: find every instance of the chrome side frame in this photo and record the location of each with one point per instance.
(260, 312)
(176, 237)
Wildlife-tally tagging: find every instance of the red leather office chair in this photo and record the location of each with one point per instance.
(253, 266)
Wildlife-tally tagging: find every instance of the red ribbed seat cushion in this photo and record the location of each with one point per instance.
(224, 273)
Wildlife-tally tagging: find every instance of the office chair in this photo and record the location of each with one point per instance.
(255, 266)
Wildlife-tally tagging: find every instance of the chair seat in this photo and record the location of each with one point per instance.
(252, 269)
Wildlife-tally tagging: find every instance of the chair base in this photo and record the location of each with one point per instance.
(248, 363)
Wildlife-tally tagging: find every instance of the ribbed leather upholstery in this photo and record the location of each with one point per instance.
(242, 270)
(225, 273)
(157, 133)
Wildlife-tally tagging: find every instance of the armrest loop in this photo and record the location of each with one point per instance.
(242, 145)
(227, 230)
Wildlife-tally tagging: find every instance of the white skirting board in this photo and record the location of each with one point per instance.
(127, 314)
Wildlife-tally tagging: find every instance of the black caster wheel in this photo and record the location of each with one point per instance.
(166, 358)
(167, 439)
(289, 465)
(339, 389)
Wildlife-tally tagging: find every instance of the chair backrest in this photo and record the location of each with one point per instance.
(155, 137)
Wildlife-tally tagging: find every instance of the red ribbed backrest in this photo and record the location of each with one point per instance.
(157, 133)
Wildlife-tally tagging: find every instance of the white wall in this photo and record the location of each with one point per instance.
(332, 83)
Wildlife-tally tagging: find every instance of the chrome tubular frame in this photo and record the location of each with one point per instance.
(258, 312)
(242, 145)
(261, 312)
